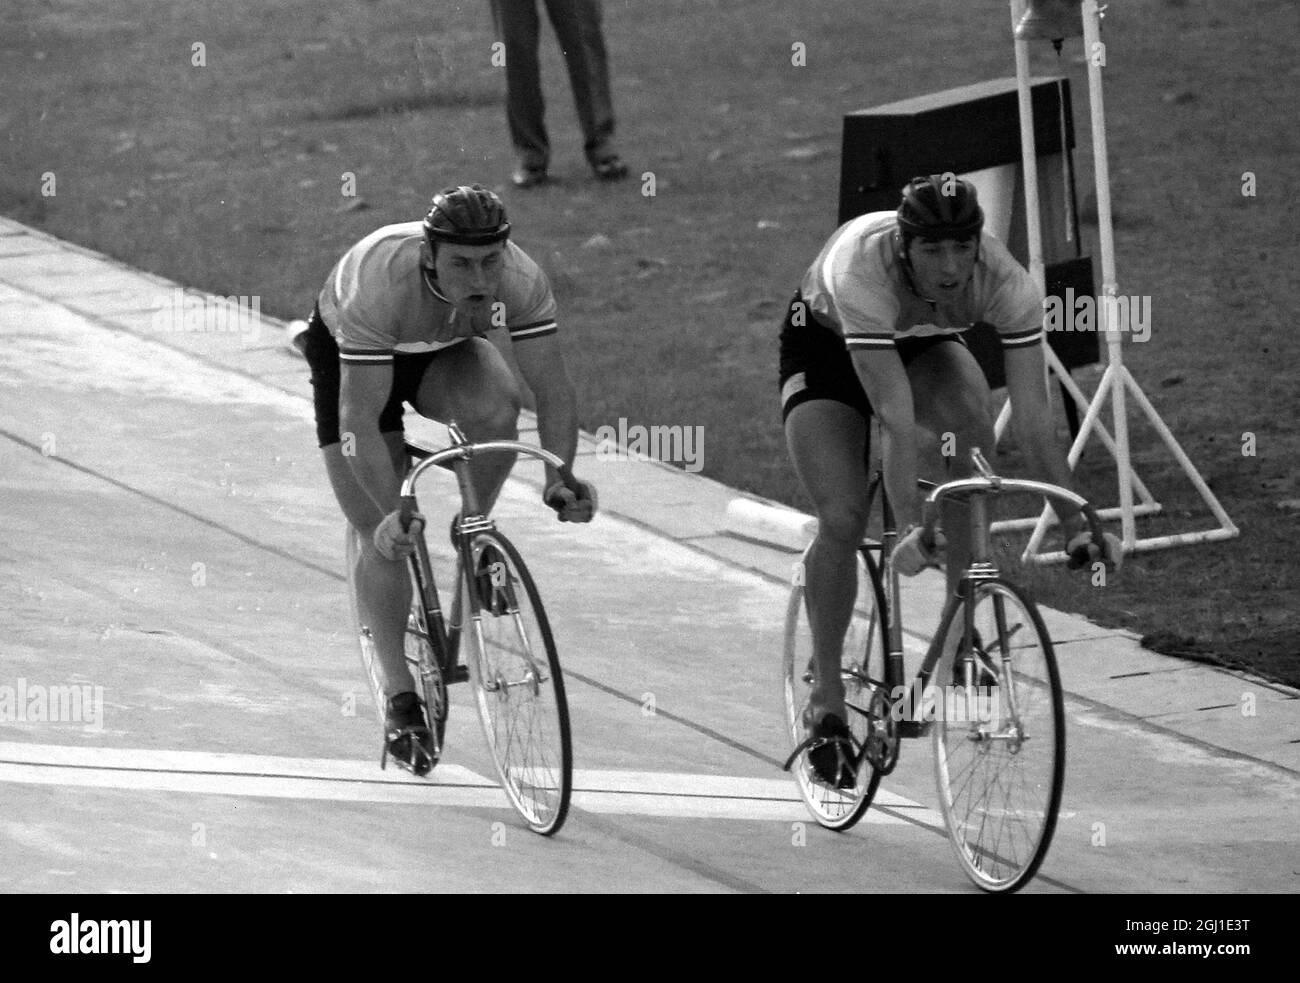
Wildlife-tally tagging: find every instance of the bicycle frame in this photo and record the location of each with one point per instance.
(982, 567)
(446, 639)
(517, 681)
(1010, 687)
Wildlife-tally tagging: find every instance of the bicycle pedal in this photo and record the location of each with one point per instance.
(420, 768)
(420, 763)
(460, 674)
(913, 728)
(411, 754)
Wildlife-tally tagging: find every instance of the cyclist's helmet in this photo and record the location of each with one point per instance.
(468, 215)
(927, 212)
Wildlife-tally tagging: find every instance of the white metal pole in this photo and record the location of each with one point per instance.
(1028, 153)
(1095, 55)
(1181, 457)
(1055, 367)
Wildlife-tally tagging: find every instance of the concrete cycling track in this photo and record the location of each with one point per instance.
(168, 535)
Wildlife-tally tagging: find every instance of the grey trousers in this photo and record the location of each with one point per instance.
(577, 27)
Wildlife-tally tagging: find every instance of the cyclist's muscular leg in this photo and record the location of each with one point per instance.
(472, 384)
(384, 602)
(383, 586)
(826, 441)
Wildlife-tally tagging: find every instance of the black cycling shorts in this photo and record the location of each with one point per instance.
(323, 357)
(816, 365)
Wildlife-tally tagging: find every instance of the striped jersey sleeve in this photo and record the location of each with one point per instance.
(361, 298)
(529, 302)
(1015, 304)
(868, 311)
(365, 356)
(847, 287)
(359, 341)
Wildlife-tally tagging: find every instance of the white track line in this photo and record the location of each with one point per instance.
(668, 795)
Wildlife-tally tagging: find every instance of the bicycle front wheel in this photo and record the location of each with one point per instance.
(517, 683)
(999, 738)
(863, 673)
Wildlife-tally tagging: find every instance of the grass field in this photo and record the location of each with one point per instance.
(227, 176)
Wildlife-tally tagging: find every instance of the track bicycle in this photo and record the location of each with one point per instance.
(990, 697)
(511, 662)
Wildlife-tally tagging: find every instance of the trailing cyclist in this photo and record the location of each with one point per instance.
(430, 313)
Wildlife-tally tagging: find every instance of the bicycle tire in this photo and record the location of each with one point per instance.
(1013, 749)
(836, 809)
(423, 664)
(518, 687)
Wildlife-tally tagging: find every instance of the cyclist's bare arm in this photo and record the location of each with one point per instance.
(1031, 422)
(363, 391)
(541, 362)
(885, 381)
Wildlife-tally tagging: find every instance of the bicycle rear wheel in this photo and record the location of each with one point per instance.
(863, 673)
(999, 741)
(422, 662)
(517, 684)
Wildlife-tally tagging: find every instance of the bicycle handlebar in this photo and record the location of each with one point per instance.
(990, 483)
(465, 452)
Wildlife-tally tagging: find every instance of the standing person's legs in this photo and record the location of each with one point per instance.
(517, 25)
(577, 27)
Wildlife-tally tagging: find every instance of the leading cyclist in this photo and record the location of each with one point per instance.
(406, 316)
(875, 329)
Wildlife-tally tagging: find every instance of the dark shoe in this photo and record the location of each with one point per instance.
(609, 168)
(495, 600)
(832, 758)
(409, 740)
(528, 177)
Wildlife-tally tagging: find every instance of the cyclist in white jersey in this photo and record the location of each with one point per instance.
(422, 313)
(875, 330)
